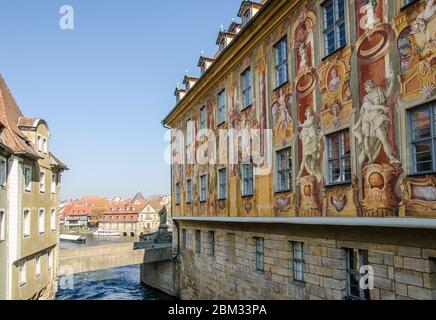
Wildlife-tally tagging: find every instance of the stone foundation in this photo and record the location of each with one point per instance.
(161, 276)
(403, 262)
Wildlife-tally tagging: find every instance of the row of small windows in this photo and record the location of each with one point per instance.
(42, 180)
(422, 128)
(356, 259)
(22, 267)
(27, 222)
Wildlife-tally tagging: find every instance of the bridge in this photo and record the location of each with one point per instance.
(90, 259)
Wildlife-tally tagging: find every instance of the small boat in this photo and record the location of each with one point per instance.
(107, 233)
(72, 238)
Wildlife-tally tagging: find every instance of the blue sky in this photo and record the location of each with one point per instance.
(105, 86)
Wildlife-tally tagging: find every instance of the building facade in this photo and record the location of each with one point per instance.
(305, 153)
(29, 203)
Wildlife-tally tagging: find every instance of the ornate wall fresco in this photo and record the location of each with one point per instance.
(365, 88)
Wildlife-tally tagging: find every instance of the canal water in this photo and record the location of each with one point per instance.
(113, 284)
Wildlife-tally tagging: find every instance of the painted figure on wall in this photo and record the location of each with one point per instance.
(282, 121)
(371, 130)
(424, 27)
(335, 80)
(310, 137)
(303, 56)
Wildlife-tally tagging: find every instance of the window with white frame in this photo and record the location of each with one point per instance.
(177, 193)
(45, 145)
(247, 180)
(53, 219)
(2, 225)
(188, 191)
(222, 108)
(41, 221)
(246, 88)
(356, 260)
(298, 261)
(38, 266)
(284, 170)
(53, 183)
(203, 188)
(27, 178)
(222, 184)
(246, 16)
(334, 25)
(339, 159)
(3, 172)
(26, 223)
(42, 181)
(203, 118)
(22, 273)
(281, 59)
(259, 246)
(50, 259)
(422, 123)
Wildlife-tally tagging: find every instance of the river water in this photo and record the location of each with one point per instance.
(113, 284)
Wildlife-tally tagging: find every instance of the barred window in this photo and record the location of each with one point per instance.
(281, 57)
(356, 259)
(259, 254)
(334, 25)
(212, 243)
(339, 160)
(188, 191)
(284, 170)
(423, 138)
(298, 261)
(197, 241)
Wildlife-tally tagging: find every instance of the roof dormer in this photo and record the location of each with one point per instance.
(204, 63)
(235, 27)
(179, 93)
(224, 38)
(247, 10)
(189, 82)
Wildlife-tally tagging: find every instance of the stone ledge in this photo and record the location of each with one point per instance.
(404, 223)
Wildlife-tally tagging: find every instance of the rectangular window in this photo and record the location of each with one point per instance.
(22, 274)
(246, 16)
(177, 193)
(246, 88)
(339, 160)
(184, 239)
(259, 254)
(284, 170)
(298, 261)
(188, 191)
(45, 145)
(38, 266)
(356, 259)
(26, 223)
(3, 172)
(2, 225)
(41, 221)
(50, 259)
(203, 188)
(231, 247)
(197, 241)
(222, 108)
(27, 178)
(39, 143)
(212, 243)
(423, 138)
(281, 58)
(247, 180)
(222, 184)
(53, 183)
(334, 25)
(53, 219)
(42, 181)
(203, 118)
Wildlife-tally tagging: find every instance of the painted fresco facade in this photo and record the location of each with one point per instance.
(356, 118)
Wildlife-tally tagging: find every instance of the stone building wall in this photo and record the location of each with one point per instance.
(400, 271)
(161, 276)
